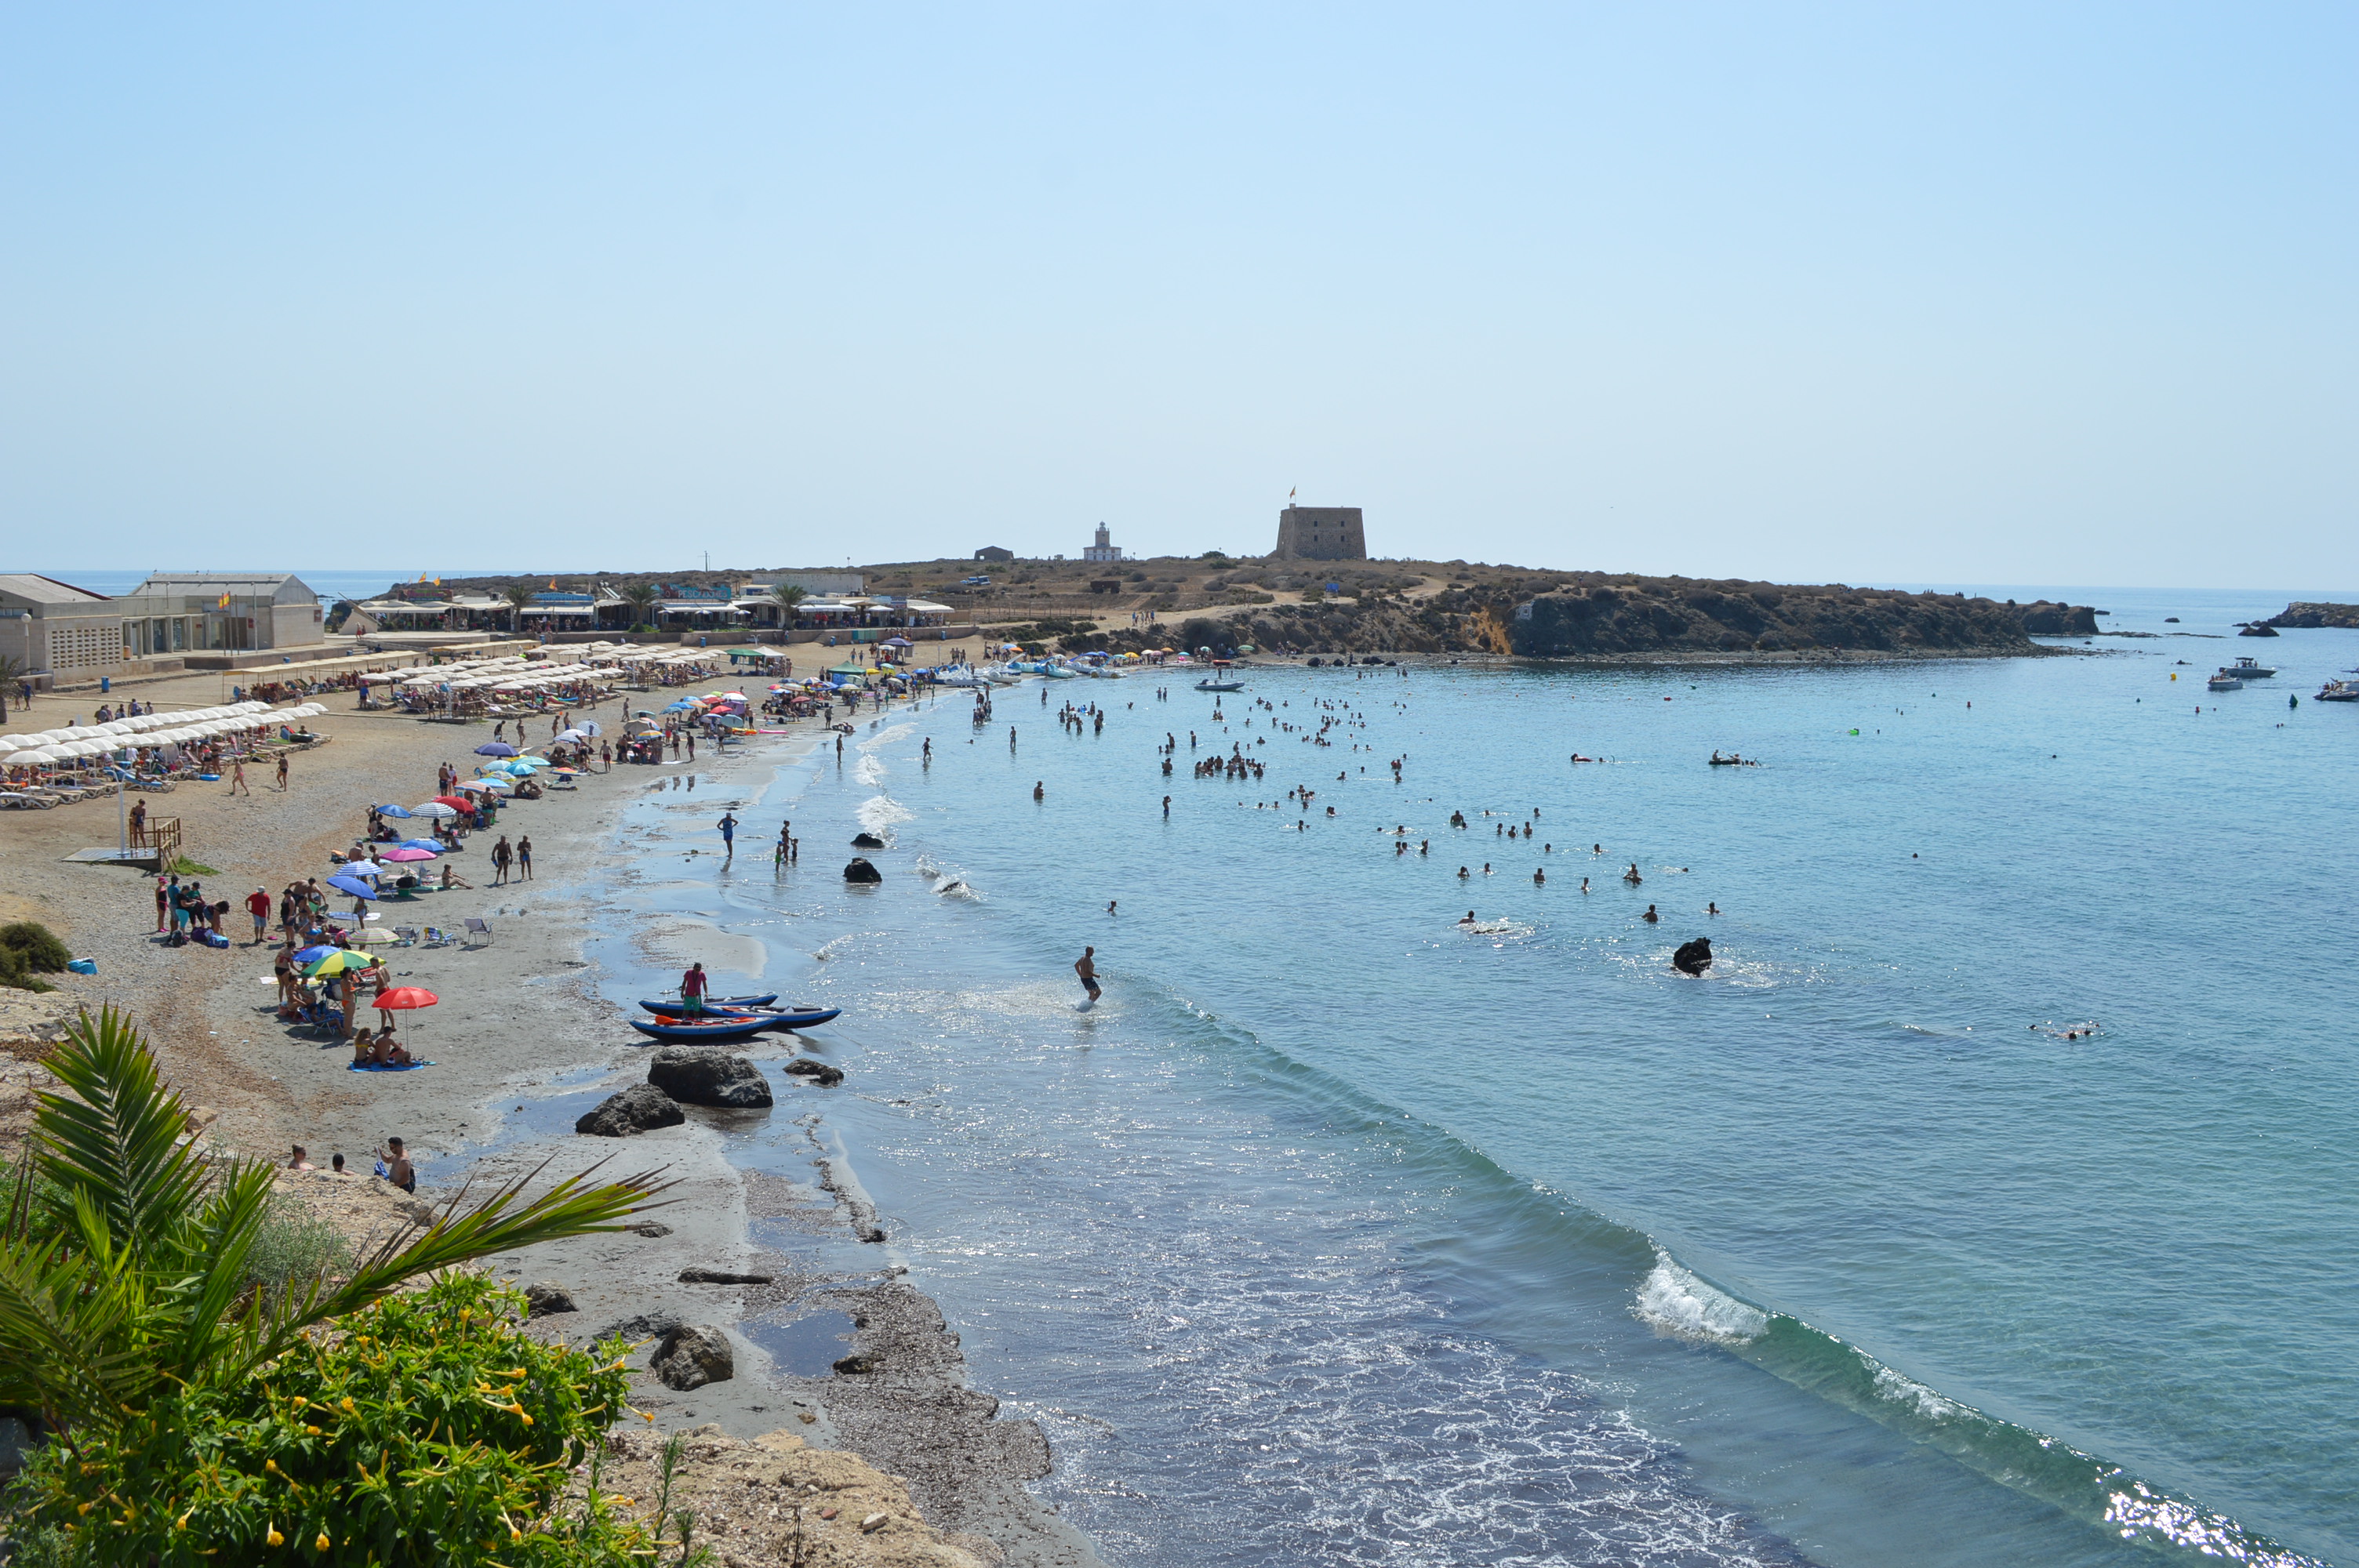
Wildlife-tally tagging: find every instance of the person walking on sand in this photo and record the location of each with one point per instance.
(237, 778)
(524, 859)
(282, 772)
(692, 986)
(258, 904)
(1086, 967)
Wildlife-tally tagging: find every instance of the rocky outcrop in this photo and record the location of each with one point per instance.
(2258, 629)
(867, 841)
(696, 1075)
(543, 1299)
(693, 1355)
(820, 1073)
(2310, 617)
(723, 1277)
(1693, 956)
(860, 871)
(1681, 616)
(639, 1108)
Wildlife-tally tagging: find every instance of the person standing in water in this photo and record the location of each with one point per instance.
(692, 986)
(728, 833)
(1086, 967)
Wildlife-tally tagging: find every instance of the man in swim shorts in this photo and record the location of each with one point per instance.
(1086, 967)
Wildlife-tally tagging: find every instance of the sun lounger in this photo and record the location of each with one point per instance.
(15, 800)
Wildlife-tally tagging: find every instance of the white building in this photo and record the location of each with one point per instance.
(1104, 549)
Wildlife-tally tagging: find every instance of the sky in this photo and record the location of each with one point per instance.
(1991, 292)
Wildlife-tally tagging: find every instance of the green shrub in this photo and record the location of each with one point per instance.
(294, 1244)
(13, 972)
(37, 945)
(430, 1431)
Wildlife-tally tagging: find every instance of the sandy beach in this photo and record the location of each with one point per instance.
(521, 1017)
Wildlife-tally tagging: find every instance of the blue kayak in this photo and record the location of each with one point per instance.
(669, 1005)
(735, 1025)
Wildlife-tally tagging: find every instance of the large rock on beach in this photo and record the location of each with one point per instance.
(695, 1075)
(1694, 957)
(544, 1298)
(867, 841)
(860, 871)
(693, 1355)
(639, 1108)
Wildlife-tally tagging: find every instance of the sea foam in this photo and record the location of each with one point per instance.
(1676, 1301)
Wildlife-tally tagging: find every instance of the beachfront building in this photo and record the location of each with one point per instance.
(220, 612)
(994, 554)
(1320, 534)
(48, 627)
(1105, 549)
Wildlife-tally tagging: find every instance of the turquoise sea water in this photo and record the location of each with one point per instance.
(1338, 1234)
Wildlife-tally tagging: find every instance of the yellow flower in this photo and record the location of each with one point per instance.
(271, 1465)
(274, 1537)
(322, 1543)
(301, 1402)
(349, 1406)
(312, 1430)
(85, 1507)
(182, 1523)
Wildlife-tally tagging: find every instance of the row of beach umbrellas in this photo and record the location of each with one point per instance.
(143, 731)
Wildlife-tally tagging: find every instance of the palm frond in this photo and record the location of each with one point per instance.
(117, 1135)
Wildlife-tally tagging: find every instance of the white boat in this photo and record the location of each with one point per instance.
(2225, 681)
(958, 674)
(2338, 691)
(2246, 667)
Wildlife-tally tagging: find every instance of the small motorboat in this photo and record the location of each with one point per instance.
(2247, 667)
(2338, 691)
(1729, 760)
(2225, 680)
(672, 1004)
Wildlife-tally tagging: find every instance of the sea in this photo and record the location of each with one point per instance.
(332, 584)
(1990, 1200)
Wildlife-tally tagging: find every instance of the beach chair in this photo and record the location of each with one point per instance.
(438, 937)
(476, 927)
(405, 937)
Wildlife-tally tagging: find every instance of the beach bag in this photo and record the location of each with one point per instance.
(212, 939)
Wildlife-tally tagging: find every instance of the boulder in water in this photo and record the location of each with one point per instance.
(821, 1073)
(637, 1110)
(867, 841)
(860, 871)
(1694, 957)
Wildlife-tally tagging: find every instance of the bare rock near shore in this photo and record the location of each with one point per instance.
(784, 1501)
(693, 1355)
(1693, 956)
(637, 1110)
(646, 1326)
(650, 1228)
(696, 1075)
(867, 841)
(723, 1277)
(817, 1072)
(543, 1299)
(860, 871)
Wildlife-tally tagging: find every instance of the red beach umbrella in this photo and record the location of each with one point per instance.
(405, 996)
(460, 800)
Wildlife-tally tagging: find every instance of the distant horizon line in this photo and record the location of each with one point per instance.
(397, 578)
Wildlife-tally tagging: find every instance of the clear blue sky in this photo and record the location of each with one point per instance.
(1995, 293)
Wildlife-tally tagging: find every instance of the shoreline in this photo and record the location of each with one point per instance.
(523, 1029)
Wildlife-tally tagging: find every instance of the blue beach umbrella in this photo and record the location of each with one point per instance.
(317, 951)
(389, 811)
(353, 886)
(496, 749)
(431, 847)
(683, 706)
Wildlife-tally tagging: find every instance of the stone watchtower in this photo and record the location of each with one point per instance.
(1320, 534)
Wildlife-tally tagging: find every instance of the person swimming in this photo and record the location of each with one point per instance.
(1463, 873)
(1470, 917)
(1711, 909)
(1632, 876)
(1650, 917)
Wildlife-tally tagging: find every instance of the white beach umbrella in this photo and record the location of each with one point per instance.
(14, 744)
(39, 757)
